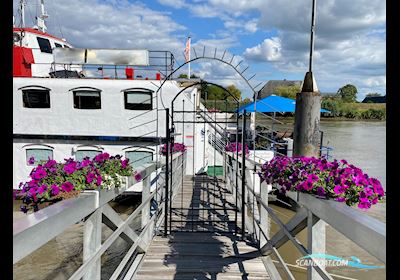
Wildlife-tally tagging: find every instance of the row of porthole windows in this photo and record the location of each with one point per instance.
(87, 98)
(137, 156)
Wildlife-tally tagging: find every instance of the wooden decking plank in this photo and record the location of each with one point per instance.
(202, 255)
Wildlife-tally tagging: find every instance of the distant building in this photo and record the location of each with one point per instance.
(270, 87)
(374, 99)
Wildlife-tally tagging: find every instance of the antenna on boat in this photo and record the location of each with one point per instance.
(22, 8)
(40, 19)
(314, 6)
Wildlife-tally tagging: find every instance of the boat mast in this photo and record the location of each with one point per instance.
(22, 8)
(40, 19)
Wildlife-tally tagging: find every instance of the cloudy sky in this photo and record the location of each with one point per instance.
(271, 37)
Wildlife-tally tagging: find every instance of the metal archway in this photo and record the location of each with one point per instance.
(208, 208)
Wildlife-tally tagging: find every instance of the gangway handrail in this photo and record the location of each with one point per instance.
(36, 229)
(365, 231)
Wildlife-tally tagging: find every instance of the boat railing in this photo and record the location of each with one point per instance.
(367, 232)
(160, 65)
(91, 207)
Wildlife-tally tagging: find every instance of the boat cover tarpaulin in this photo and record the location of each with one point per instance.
(272, 103)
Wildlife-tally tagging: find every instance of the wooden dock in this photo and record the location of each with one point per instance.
(202, 243)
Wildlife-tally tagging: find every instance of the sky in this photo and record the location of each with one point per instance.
(271, 37)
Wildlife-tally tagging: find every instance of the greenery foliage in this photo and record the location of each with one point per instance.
(288, 91)
(216, 93)
(348, 93)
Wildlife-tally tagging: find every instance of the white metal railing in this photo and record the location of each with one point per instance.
(365, 231)
(36, 229)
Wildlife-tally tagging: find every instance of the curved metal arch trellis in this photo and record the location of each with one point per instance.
(229, 63)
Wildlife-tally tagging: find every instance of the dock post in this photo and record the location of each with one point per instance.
(243, 175)
(264, 224)
(307, 118)
(92, 243)
(146, 209)
(166, 172)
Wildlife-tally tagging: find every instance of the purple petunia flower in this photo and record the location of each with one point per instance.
(32, 191)
(67, 186)
(70, 167)
(321, 191)
(85, 162)
(364, 203)
(42, 189)
(339, 189)
(90, 177)
(31, 161)
(308, 185)
(138, 177)
(50, 163)
(124, 163)
(341, 199)
(102, 157)
(99, 179)
(55, 190)
(39, 173)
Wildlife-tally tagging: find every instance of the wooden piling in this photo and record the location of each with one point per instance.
(307, 119)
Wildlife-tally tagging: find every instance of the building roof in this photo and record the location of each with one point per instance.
(270, 87)
(374, 99)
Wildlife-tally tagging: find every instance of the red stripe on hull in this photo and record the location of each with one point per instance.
(22, 61)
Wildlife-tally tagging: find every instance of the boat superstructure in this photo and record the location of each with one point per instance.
(75, 102)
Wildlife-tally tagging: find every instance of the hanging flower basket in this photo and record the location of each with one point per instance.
(177, 147)
(338, 180)
(236, 146)
(52, 181)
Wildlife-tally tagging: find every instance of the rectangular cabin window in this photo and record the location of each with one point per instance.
(87, 99)
(58, 45)
(44, 45)
(138, 100)
(81, 154)
(38, 155)
(36, 98)
(138, 158)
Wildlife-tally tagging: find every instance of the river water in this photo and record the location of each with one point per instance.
(361, 143)
(364, 145)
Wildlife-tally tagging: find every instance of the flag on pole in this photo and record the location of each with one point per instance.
(187, 50)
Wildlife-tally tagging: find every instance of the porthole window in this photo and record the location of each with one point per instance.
(139, 157)
(138, 99)
(44, 45)
(36, 98)
(87, 99)
(34, 156)
(58, 45)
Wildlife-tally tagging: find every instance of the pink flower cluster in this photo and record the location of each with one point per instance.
(50, 179)
(337, 179)
(177, 147)
(232, 147)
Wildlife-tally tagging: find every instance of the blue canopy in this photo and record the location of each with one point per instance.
(273, 103)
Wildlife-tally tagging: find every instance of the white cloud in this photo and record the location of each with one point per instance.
(177, 4)
(104, 24)
(268, 50)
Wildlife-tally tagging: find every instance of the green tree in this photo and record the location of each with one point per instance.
(234, 91)
(194, 76)
(216, 93)
(348, 93)
(183, 76)
(287, 91)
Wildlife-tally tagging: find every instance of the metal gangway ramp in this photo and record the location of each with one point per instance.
(202, 243)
